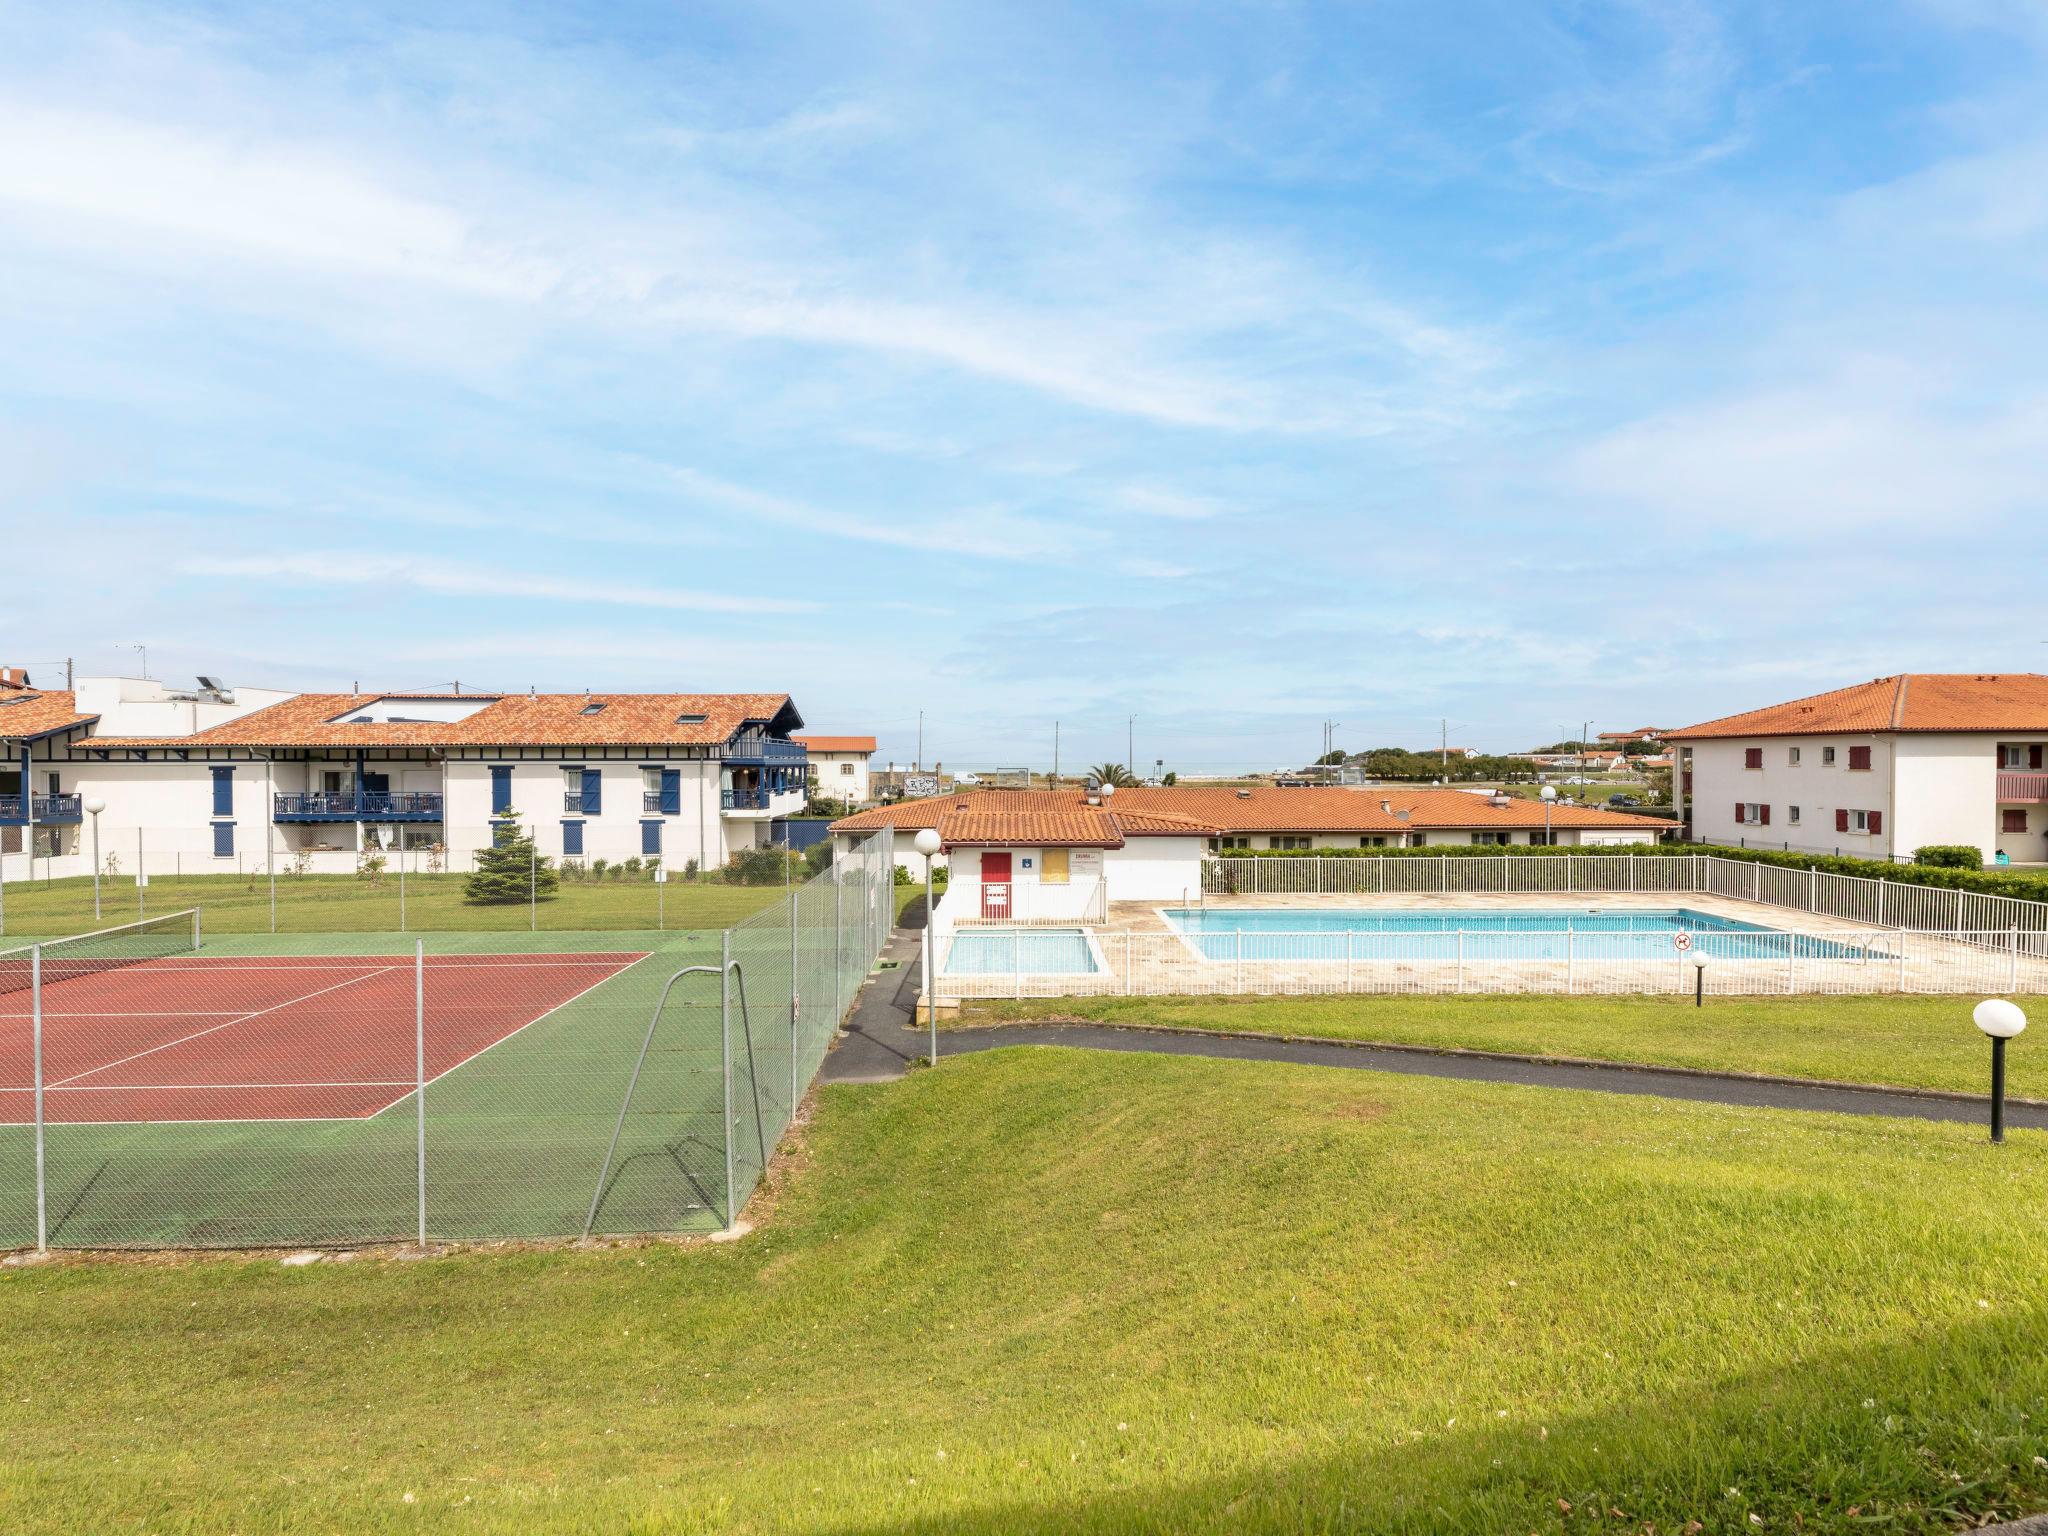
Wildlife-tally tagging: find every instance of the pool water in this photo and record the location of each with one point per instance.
(1586, 933)
(1035, 951)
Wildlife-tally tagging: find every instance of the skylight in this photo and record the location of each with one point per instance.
(594, 707)
(691, 719)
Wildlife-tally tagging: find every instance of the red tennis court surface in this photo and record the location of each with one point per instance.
(269, 1037)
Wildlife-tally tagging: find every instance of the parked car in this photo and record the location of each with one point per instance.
(1618, 801)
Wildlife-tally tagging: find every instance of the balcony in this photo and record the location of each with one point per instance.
(50, 810)
(757, 747)
(2023, 788)
(354, 805)
(743, 800)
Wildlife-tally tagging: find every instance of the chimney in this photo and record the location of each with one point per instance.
(1387, 806)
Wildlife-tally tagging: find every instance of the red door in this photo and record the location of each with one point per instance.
(995, 884)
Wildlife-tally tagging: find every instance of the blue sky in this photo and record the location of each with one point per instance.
(1236, 366)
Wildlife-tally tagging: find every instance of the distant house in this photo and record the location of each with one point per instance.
(1877, 769)
(839, 765)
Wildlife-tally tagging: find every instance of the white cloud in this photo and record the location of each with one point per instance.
(344, 568)
(1154, 501)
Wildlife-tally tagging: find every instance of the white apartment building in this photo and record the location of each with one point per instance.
(1877, 769)
(212, 777)
(839, 765)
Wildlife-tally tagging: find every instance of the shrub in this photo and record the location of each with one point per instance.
(1949, 856)
(767, 865)
(370, 866)
(690, 869)
(598, 867)
(629, 869)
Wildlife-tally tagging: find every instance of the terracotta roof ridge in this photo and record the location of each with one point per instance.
(1899, 700)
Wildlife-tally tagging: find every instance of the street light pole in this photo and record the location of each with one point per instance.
(93, 806)
(928, 843)
(1548, 794)
(2001, 1019)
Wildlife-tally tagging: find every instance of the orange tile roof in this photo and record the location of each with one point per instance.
(1026, 818)
(34, 712)
(836, 743)
(1908, 701)
(1209, 812)
(513, 720)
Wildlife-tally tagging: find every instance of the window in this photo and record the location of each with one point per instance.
(1827, 757)
(2011, 755)
(650, 838)
(330, 780)
(1372, 842)
(582, 789)
(1749, 814)
(594, 707)
(223, 839)
(1792, 814)
(689, 719)
(1288, 842)
(1871, 822)
(1752, 757)
(224, 794)
(846, 770)
(501, 789)
(2012, 820)
(1859, 759)
(1225, 844)
(1792, 756)
(1493, 839)
(572, 839)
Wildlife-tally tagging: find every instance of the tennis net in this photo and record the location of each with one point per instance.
(109, 949)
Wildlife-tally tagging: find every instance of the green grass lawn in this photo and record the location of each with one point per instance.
(1911, 1042)
(346, 904)
(1052, 1290)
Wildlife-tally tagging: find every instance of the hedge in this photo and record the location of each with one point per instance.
(2026, 887)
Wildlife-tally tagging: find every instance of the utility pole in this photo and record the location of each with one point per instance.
(920, 741)
(1444, 744)
(1130, 737)
(1055, 754)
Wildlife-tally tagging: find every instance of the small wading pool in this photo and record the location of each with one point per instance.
(1034, 951)
(1585, 933)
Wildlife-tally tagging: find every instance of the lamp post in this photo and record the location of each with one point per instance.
(1699, 979)
(928, 843)
(1548, 793)
(93, 806)
(2001, 1019)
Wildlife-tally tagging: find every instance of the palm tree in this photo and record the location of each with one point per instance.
(1113, 773)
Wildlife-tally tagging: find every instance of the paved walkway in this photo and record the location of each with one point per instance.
(882, 1041)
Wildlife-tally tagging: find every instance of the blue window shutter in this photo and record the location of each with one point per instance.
(671, 791)
(501, 790)
(224, 793)
(593, 789)
(223, 839)
(572, 839)
(650, 837)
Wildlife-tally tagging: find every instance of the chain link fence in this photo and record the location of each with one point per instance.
(165, 1086)
(397, 881)
(1263, 961)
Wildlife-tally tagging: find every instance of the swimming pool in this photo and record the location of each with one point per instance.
(1034, 951)
(1490, 933)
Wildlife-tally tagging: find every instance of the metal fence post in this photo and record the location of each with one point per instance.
(2013, 976)
(1881, 883)
(795, 993)
(533, 883)
(1570, 959)
(725, 1059)
(419, 1073)
(401, 882)
(35, 987)
(1461, 959)
(839, 998)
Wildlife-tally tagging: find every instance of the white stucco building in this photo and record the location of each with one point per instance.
(1877, 769)
(210, 777)
(839, 765)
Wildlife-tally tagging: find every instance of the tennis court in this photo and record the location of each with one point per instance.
(180, 1039)
(330, 1089)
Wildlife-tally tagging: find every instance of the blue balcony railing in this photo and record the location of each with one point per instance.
(756, 747)
(743, 799)
(50, 810)
(354, 805)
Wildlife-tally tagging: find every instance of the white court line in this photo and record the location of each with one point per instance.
(200, 1033)
(145, 1013)
(493, 1045)
(381, 1082)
